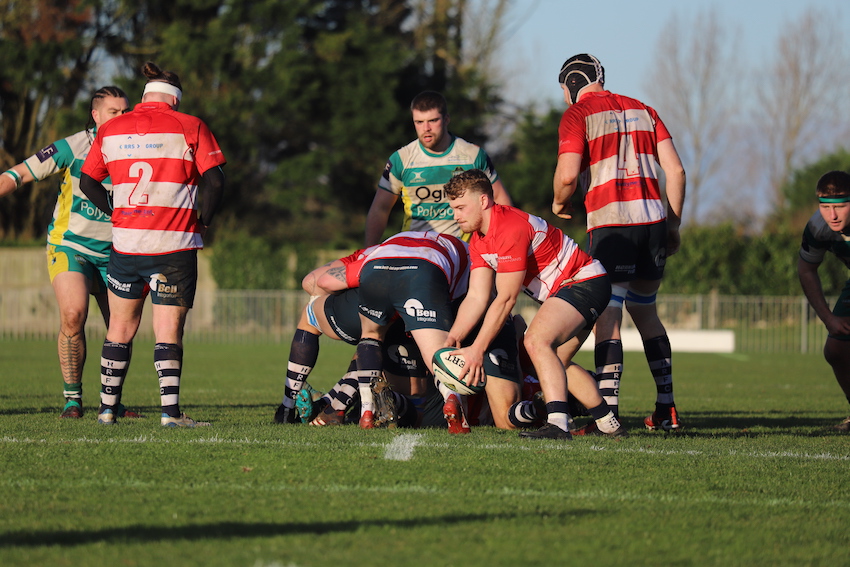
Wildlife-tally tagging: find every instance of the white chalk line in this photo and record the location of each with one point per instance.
(401, 449)
(530, 447)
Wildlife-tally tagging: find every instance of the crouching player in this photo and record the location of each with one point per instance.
(514, 252)
(418, 276)
(829, 231)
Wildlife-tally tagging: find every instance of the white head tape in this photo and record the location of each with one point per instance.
(165, 88)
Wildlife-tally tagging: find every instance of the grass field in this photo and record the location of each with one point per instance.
(757, 478)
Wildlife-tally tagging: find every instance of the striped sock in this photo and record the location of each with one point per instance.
(659, 356)
(168, 360)
(302, 358)
(114, 360)
(522, 414)
(342, 395)
(73, 392)
(369, 365)
(609, 367)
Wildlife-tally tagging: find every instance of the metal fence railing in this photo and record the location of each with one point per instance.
(760, 324)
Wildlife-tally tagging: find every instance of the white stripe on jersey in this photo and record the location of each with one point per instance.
(159, 145)
(134, 241)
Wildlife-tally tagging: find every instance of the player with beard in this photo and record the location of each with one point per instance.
(418, 171)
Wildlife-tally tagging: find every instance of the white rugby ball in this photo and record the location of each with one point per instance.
(447, 367)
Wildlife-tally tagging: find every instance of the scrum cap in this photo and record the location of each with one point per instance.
(578, 72)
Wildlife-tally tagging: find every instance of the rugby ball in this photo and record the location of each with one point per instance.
(447, 367)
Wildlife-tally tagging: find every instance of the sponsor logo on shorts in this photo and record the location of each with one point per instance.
(624, 268)
(414, 308)
(159, 285)
(81, 259)
(400, 355)
(371, 312)
(500, 358)
(120, 286)
(661, 259)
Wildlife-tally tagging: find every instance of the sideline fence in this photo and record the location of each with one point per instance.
(760, 324)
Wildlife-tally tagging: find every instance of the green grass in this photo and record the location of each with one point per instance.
(757, 478)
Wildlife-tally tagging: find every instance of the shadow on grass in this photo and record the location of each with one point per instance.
(233, 530)
(740, 424)
(144, 410)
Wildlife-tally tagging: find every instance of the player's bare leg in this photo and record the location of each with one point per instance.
(72, 295)
(837, 354)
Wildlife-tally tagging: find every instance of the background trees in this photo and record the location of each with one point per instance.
(308, 99)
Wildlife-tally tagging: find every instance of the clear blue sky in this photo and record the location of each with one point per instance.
(542, 34)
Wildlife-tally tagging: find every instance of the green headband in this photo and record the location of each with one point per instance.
(837, 199)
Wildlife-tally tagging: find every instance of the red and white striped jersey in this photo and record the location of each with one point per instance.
(618, 138)
(517, 241)
(447, 252)
(155, 157)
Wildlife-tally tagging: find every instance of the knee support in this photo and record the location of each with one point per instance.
(638, 299)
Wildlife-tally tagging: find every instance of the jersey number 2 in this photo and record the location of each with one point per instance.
(142, 171)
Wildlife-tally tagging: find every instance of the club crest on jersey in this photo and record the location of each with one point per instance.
(45, 154)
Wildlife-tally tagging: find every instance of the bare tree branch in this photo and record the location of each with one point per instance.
(694, 85)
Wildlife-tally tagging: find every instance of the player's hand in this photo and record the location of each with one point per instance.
(473, 369)
(562, 210)
(838, 325)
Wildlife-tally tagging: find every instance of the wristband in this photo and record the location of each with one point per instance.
(14, 175)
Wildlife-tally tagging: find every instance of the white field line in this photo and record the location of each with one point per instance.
(530, 447)
(401, 449)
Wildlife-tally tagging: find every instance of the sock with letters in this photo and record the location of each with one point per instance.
(303, 355)
(114, 360)
(659, 355)
(609, 367)
(168, 361)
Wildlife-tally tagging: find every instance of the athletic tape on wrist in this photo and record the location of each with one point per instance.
(14, 175)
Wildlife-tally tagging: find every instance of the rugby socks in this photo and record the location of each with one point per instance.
(605, 419)
(73, 392)
(114, 360)
(369, 365)
(609, 367)
(168, 360)
(659, 355)
(522, 414)
(302, 358)
(557, 414)
(444, 391)
(341, 396)
(406, 410)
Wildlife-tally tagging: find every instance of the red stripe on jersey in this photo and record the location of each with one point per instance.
(164, 170)
(621, 190)
(156, 218)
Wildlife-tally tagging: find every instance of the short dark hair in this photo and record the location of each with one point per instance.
(429, 100)
(97, 99)
(473, 180)
(834, 183)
